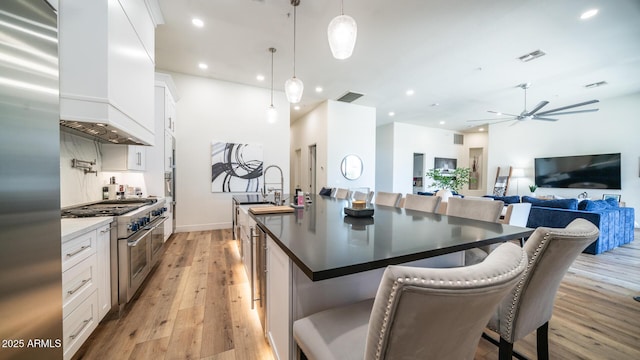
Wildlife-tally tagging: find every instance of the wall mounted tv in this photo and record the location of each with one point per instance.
(600, 171)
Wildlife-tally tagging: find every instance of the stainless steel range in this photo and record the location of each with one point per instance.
(137, 241)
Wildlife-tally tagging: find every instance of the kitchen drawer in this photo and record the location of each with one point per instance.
(78, 283)
(78, 249)
(79, 324)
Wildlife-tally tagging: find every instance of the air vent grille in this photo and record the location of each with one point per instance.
(532, 55)
(350, 96)
(458, 139)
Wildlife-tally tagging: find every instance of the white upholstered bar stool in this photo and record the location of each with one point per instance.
(341, 193)
(418, 313)
(529, 306)
(478, 210)
(387, 199)
(422, 203)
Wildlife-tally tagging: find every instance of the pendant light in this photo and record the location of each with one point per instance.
(294, 86)
(342, 33)
(272, 114)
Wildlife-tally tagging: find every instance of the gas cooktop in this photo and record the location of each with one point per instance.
(106, 208)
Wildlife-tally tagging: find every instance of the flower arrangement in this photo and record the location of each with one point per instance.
(451, 180)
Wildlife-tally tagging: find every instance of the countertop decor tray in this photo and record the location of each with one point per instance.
(366, 212)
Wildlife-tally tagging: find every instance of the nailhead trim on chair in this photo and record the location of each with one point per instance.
(518, 289)
(410, 281)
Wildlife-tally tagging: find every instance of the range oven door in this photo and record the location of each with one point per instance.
(134, 264)
(157, 240)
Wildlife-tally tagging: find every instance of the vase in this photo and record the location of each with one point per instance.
(444, 194)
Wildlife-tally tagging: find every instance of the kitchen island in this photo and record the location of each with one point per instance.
(316, 257)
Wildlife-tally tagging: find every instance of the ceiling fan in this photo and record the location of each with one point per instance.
(534, 113)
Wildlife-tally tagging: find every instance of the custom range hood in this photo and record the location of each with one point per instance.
(101, 131)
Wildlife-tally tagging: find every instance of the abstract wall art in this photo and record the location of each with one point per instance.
(236, 167)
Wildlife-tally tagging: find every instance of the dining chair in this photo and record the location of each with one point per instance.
(476, 209)
(387, 199)
(529, 306)
(422, 203)
(417, 313)
(341, 193)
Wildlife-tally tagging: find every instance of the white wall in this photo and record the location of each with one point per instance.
(352, 130)
(216, 110)
(614, 128)
(407, 140)
(309, 130)
(337, 129)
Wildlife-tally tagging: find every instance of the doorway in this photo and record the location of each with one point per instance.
(297, 165)
(418, 172)
(312, 169)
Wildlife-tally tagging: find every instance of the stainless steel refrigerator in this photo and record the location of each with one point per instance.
(30, 263)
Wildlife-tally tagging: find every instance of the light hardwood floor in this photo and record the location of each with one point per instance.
(196, 306)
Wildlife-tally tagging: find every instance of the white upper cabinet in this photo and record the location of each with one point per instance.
(107, 64)
(123, 157)
(166, 102)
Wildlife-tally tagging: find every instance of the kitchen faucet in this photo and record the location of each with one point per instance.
(264, 181)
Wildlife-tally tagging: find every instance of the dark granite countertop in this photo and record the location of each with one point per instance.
(325, 243)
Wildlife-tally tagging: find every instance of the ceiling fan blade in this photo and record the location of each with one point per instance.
(494, 119)
(569, 107)
(537, 108)
(545, 119)
(572, 112)
(501, 113)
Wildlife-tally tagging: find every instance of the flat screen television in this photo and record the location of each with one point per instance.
(600, 171)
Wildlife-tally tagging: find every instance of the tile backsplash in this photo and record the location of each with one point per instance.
(76, 187)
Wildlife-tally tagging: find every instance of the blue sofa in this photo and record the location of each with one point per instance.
(615, 223)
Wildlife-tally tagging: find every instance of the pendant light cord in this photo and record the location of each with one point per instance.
(294, 40)
(272, 51)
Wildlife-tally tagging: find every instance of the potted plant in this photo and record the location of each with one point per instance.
(452, 180)
(533, 188)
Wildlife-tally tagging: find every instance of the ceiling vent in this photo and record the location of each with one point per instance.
(349, 96)
(596, 84)
(532, 55)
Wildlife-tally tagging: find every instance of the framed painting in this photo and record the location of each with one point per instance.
(236, 167)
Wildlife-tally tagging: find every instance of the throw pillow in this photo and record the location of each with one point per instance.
(569, 204)
(595, 205)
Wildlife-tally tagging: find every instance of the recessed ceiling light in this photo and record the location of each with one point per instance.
(481, 129)
(297, 107)
(260, 77)
(435, 104)
(410, 92)
(392, 114)
(442, 122)
(318, 89)
(203, 66)
(589, 14)
(197, 22)
(498, 114)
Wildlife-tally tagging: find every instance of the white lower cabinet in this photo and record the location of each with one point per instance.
(279, 297)
(86, 286)
(104, 268)
(79, 324)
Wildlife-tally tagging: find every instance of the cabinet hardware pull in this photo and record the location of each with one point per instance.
(84, 325)
(78, 251)
(71, 292)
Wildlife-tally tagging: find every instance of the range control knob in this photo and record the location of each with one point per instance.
(134, 227)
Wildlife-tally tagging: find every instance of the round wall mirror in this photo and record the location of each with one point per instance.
(351, 167)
